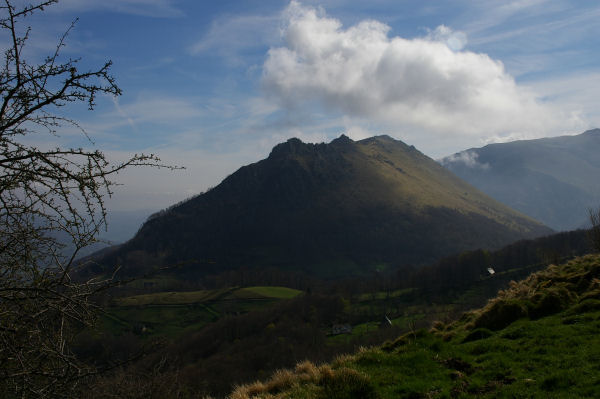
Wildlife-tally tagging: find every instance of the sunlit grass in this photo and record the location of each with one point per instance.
(267, 292)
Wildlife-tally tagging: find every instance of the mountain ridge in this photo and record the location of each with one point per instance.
(553, 180)
(347, 205)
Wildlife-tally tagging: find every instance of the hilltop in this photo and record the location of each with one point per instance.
(342, 208)
(537, 338)
(553, 180)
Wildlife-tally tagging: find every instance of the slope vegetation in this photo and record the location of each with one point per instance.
(538, 338)
(332, 209)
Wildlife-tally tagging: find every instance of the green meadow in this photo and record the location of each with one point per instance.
(174, 312)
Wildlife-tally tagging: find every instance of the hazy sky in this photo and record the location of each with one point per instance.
(213, 85)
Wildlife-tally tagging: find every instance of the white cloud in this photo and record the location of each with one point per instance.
(576, 92)
(454, 40)
(423, 84)
(468, 158)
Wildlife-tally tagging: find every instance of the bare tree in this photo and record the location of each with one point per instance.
(46, 193)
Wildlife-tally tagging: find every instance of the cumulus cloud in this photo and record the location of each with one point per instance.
(429, 82)
(454, 40)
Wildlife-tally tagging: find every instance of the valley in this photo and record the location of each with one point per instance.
(313, 253)
(247, 333)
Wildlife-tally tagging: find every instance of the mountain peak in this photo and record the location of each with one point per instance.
(347, 204)
(595, 131)
(342, 140)
(292, 146)
(295, 146)
(382, 138)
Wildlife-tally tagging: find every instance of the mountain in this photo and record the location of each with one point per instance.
(553, 180)
(328, 210)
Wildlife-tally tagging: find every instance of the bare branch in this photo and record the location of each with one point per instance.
(48, 197)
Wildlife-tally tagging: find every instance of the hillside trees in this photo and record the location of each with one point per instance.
(46, 194)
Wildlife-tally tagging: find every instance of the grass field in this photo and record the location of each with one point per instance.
(269, 292)
(171, 313)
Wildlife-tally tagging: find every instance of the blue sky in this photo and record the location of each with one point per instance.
(214, 85)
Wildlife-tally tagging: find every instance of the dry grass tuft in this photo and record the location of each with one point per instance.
(307, 371)
(304, 372)
(254, 390)
(325, 378)
(342, 359)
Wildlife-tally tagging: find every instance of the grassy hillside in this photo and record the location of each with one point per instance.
(538, 338)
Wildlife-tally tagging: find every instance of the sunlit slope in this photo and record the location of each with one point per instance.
(408, 179)
(328, 209)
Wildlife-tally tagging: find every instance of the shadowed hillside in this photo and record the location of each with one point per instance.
(326, 209)
(554, 180)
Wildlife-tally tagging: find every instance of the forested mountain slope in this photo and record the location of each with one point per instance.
(332, 209)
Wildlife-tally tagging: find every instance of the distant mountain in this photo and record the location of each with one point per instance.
(554, 180)
(326, 209)
(120, 227)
